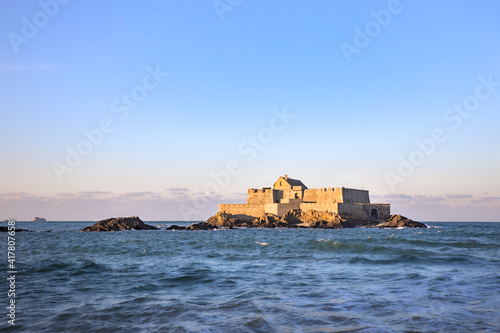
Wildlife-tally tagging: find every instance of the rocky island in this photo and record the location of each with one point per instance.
(290, 204)
(120, 223)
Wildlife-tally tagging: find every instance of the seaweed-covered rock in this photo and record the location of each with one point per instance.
(120, 223)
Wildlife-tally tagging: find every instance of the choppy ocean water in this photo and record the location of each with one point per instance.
(444, 279)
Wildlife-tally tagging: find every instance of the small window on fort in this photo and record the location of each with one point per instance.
(280, 184)
(374, 214)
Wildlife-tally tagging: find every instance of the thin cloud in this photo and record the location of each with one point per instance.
(181, 204)
(138, 194)
(427, 198)
(459, 196)
(448, 200)
(486, 200)
(177, 190)
(236, 198)
(393, 196)
(96, 205)
(16, 196)
(94, 193)
(13, 194)
(178, 193)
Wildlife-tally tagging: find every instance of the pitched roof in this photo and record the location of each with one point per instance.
(295, 182)
(292, 182)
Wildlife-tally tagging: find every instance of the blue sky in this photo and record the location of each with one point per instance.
(176, 92)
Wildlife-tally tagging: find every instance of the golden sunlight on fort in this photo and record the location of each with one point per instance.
(288, 194)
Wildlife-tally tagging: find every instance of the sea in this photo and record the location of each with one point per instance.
(441, 279)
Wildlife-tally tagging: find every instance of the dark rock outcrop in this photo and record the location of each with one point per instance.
(201, 226)
(120, 223)
(399, 221)
(175, 227)
(195, 226)
(6, 229)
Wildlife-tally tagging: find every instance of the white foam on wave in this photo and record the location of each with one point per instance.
(262, 243)
(331, 241)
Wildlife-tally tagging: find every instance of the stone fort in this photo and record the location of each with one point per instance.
(287, 194)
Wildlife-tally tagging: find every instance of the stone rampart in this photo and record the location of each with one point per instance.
(289, 194)
(282, 209)
(379, 211)
(330, 207)
(384, 210)
(350, 195)
(262, 196)
(243, 209)
(323, 195)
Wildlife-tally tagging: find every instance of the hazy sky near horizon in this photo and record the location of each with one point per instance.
(144, 108)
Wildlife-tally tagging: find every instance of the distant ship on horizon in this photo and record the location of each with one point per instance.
(39, 219)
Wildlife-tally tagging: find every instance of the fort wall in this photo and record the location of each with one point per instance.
(354, 209)
(384, 210)
(323, 195)
(330, 207)
(295, 193)
(284, 208)
(244, 211)
(350, 195)
(280, 209)
(363, 210)
(288, 195)
(262, 196)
